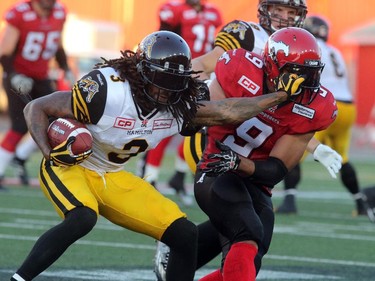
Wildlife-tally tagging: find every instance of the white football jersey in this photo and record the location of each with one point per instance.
(260, 37)
(334, 76)
(119, 129)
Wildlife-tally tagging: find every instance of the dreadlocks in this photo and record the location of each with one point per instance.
(185, 109)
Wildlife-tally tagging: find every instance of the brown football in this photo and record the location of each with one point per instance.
(63, 128)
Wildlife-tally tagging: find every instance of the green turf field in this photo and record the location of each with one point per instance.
(323, 242)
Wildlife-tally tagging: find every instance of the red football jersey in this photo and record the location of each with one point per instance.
(197, 28)
(39, 38)
(240, 74)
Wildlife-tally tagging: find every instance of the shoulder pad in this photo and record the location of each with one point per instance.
(89, 97)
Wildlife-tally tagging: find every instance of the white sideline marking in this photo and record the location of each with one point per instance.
(153, 247)
(141, 275)
(85, 242)
(165, 189)
(331, 231)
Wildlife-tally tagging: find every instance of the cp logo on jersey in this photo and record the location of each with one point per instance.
(124, 123)
(248, 84)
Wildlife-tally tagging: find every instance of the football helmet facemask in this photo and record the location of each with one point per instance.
(164, 63)
(266, 17)
(294, 50)
(317, 26)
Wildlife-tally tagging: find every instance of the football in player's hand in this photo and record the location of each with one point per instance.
(63, 128)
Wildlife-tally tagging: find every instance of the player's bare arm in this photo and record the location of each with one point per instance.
(9, 39)
(281, 151)
(57, 104)
(207, 62)
(296, 143)
(235, 110)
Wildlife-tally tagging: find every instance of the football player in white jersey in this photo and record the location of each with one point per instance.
(129, 105)
(338, 135)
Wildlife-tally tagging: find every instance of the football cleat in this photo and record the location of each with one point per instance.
(288, 206)
(368, 202)
(186, 199)
(177, 183)
(20, 170)
(2, 188)
(161, 261)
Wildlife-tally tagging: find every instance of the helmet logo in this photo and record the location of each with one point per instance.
(89, 86)
(147, 45)
(275, 47)
(236, 28)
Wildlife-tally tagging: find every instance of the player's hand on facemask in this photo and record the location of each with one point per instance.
(290, 83)
(224, 161)
(329, 158)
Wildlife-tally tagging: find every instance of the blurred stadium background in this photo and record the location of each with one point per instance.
(103, 27)
(322, 243)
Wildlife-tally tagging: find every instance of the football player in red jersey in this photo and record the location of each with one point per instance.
(243, 162)
(30, 39)
(196, 22)
(272, 15)
(129, 105)
(338, 135)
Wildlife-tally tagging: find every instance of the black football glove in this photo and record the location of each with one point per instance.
(291, 84)
(62, 154)
(204, 92)
(226, 160)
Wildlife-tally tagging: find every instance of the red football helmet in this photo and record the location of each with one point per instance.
(294, 50)
(266, 17)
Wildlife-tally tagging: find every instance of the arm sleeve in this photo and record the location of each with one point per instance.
(269, 172)
(7, 64)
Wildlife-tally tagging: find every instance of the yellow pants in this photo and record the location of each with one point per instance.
(121, 197)
(338, 134)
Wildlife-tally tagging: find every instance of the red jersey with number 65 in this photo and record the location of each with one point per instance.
(240, 74)
(39, 38)
(197, 28)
